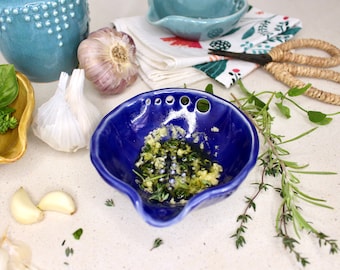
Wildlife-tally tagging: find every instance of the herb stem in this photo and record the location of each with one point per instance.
(274, 164)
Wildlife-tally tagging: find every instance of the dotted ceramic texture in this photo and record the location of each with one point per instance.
(44, 25)
(51, 16)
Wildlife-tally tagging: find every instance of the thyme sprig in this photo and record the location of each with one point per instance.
(275, 163)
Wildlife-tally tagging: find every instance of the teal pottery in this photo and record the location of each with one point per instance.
(196, 20)
(41, 37)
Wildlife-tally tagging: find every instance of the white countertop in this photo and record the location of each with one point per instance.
(118, 238)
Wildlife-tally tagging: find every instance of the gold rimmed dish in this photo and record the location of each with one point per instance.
(13, 143)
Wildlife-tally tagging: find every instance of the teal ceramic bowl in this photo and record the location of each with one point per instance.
(41, 37)
(191, 20)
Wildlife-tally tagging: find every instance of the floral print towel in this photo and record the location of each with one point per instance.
(168, 61)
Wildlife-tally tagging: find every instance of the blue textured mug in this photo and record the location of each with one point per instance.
(41, 37)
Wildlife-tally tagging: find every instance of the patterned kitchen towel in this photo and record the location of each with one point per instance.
(168, 61)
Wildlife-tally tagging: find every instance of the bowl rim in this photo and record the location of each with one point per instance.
(196, 200)
(199, 21)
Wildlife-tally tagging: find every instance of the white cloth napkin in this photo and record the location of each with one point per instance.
(169, 61)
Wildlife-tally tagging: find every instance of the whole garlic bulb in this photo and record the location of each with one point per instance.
(67, 120)
(109, 60)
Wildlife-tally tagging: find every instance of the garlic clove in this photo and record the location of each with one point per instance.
(86, 113)
(58, 201)
(23, 209)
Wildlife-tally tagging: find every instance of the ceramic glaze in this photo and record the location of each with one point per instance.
(192, 21)
(228, 136)
(41, 37)
(190, 8)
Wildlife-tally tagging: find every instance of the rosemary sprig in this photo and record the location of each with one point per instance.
(274, 162)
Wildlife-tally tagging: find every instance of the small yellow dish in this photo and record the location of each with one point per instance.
(14, 142)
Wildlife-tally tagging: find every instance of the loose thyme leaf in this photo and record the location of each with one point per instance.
(157, 242)
(78, 233)
(69, 251)
(110, 202)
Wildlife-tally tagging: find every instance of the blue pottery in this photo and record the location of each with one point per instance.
(41, 37)
(227, 135)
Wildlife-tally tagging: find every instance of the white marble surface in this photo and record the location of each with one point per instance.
(117, 238)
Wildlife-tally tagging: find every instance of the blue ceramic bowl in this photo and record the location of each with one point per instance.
(196, 20)
(118, 139)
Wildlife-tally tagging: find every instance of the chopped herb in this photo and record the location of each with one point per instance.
(171, 169)
(63, 243)
(69, 251)
(7, 121)
(110, 202)
(156, 243)
(77, 234)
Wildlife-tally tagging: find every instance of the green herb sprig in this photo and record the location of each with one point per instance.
(275, 162)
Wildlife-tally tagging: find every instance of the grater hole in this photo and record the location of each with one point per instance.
(170, 100)
(184, 100)
(158, 101)
(203, 105)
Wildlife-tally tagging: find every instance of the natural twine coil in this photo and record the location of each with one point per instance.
(308, 66)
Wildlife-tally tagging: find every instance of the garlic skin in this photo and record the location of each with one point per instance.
(67, 120)
(109, 60)
(15, 255)
(86, 114)
(4, 258)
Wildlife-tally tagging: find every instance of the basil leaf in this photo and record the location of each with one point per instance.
(8, 85)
